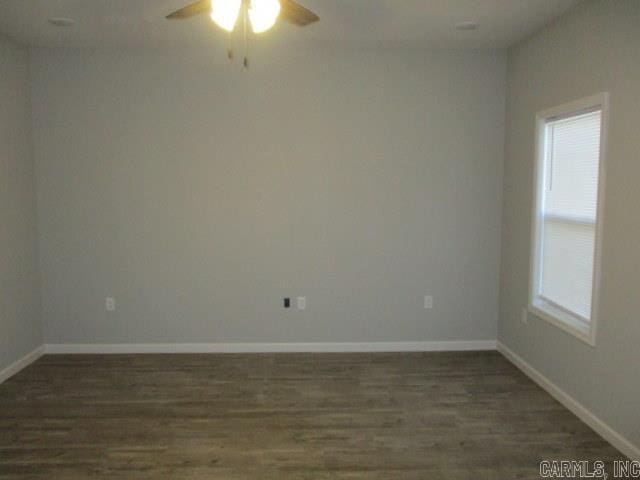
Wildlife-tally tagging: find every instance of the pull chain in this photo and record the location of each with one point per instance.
(246, 43)
(230, 47)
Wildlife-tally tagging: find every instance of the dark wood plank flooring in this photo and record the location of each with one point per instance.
(284, 416)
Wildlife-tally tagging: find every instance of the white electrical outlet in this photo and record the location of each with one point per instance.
(428, 302)
(110, 304)
(525, 315)
(302, 303)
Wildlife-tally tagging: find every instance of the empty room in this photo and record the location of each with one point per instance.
(319, 239)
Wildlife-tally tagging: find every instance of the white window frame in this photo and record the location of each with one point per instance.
(545, 310)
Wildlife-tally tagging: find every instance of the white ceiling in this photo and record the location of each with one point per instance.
(414, 23)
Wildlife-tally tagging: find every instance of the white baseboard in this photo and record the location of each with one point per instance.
(614, 438)
(23, 362)
(271, 347)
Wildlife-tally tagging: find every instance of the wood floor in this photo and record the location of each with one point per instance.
(284, 416)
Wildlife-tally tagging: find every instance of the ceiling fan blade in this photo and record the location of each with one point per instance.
(189, 11)
(295, 13)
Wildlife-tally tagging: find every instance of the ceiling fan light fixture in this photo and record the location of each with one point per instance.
(263, 14)
(225, 13)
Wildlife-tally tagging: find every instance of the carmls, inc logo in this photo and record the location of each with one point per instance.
(585, 469)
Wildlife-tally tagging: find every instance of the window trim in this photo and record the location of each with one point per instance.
(553, 314)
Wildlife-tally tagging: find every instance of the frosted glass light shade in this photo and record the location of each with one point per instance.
(225, 13)
(263, 14)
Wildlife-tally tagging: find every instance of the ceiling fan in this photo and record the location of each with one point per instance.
(260, 14)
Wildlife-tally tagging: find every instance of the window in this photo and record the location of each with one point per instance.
(568, 215)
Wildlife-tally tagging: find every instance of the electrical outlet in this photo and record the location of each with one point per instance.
(110, 304)
(428, 302)
(524, 315)
(302, 303)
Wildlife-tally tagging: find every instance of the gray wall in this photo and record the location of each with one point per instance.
(199, 194)
(20, 329)
(595, 49)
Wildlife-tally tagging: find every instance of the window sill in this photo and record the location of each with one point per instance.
(564, 321)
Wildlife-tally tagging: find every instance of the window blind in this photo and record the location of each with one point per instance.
(569, 207)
